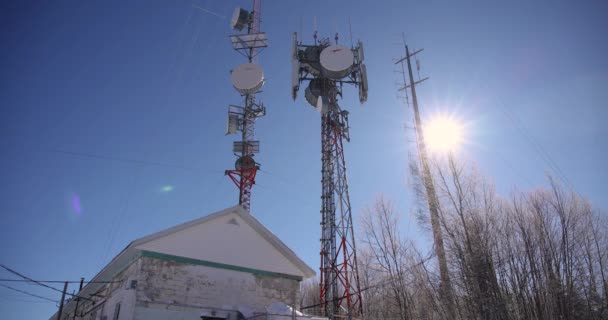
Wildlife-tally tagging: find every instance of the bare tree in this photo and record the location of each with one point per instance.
(468, 211)
(539, 254)
(309, 299)
(380, 233)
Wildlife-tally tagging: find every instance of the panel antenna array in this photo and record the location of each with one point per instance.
(326, 67)
(247, 79)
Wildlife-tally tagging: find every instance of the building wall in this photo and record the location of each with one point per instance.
(165, 287)
(169, 289)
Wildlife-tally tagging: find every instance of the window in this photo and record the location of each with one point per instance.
(116, 311)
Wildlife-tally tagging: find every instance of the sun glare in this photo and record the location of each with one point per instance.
(443, 134)
(167, 188)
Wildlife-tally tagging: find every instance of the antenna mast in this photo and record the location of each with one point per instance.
(327, 68)
(247, 79)
(445, 288)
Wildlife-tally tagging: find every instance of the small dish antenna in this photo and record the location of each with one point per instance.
(245, 162)
(317, 94)
(336, 61)
(322, 105)
(247, 78)
(240, 18)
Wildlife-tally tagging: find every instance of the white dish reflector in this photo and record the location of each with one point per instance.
(247, 78)
(316, 94)
(322, 104)
(337, 61)
(240, 18)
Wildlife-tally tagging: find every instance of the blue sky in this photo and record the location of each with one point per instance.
(102, 104)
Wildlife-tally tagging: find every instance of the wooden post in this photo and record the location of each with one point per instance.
(65, 288)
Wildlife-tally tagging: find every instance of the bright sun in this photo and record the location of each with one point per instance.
(443, 134)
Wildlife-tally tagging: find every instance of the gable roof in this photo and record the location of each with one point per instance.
(252, 241)
(134, 250)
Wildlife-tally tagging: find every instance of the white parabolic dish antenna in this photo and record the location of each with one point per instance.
(240, 18)
(247, 78)
(337, 61)
(316, 94)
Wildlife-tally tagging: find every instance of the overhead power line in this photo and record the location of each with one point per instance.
(54, 281)
(380, 284)
(40, 283)
(119, 159)
(540, 150)
(27, 278)
(209, 12)
(29, 294)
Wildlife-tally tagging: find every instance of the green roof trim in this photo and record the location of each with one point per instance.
(164, 256)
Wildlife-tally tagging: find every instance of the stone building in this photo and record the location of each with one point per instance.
(226, 265)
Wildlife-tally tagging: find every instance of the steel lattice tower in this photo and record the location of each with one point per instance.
(247, 80)
(339, 283)
(339, 278)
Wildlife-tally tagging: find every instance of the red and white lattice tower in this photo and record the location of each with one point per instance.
(247, 79)
(327, 67)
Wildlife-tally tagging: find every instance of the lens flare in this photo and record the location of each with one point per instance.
(443, 134)
(167, 188)
(76, 204)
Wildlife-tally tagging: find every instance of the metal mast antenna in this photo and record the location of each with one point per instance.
(247, 79)
(327, 68)
(445, 290)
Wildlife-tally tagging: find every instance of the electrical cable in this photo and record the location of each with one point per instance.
(29, 279)
(39, 283)
(55, 281)
(538, 147)
(209, 12)
(102, 157)
(118, 218)
(380, 284)
(15, 299)
(28, 293)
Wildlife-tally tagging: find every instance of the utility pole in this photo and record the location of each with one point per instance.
(65, 288)
(78, 298)
(445, 287)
